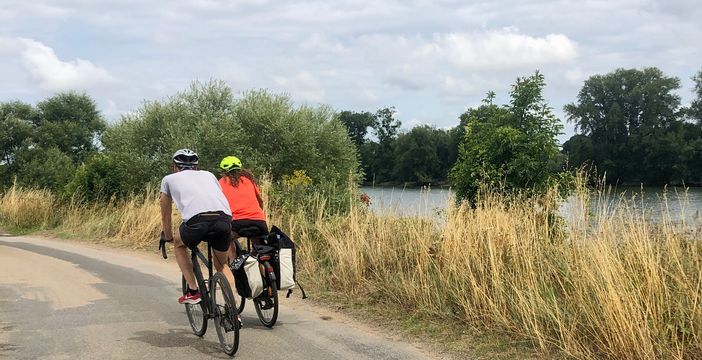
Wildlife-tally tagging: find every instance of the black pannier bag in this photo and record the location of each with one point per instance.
(284, 264)
(247, 277)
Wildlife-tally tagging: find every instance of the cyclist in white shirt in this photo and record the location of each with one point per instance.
(206, 217)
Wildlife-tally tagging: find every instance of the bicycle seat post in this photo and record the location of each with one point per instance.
(209, 258)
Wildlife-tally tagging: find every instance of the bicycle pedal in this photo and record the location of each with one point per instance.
(268, 305)
(227, 324)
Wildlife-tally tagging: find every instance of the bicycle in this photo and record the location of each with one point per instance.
(217, 302)
(266, 304)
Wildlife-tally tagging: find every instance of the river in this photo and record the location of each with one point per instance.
(413, 201)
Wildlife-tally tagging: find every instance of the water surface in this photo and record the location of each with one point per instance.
(654, 202)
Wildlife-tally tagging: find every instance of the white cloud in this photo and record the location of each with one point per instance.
(320, 43)
(575, 76)
(48, 11)
(427, 57)
(9, 46)
(302, 86)
(505, 49)
(454, 64)
(483, 50)
(49, 71)
(6, 14)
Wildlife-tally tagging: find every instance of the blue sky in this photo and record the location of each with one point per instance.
(429, 59)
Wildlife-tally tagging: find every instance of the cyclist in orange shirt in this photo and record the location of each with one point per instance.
(244, 199)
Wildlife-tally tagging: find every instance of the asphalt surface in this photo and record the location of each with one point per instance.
(67, 300)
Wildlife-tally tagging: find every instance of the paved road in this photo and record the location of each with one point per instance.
(66, 300)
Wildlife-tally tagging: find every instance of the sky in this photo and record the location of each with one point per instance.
(431, 60)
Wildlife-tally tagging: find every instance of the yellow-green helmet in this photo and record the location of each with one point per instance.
(230, 163)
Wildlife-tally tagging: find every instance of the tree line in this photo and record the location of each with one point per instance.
(630, 129)
(63, 144)
(421, 155)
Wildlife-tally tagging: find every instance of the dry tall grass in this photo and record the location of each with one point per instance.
(604, 284)
(27, 209)
(133, 223)
(607, 284)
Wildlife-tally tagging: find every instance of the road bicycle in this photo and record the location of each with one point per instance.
(217, 301)
(266, 304)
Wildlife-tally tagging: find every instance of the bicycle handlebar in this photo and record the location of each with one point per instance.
(162, 245)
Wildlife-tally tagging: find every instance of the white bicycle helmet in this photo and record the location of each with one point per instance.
(185, 157)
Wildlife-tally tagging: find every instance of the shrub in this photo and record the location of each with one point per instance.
(44, 168)
(112, 174)
(510, 148)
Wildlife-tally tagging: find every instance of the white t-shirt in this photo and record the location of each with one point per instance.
(195, 192)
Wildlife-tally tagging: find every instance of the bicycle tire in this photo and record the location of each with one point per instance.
(197, 316)
(242, 303)
(266, 319)
(226, 320)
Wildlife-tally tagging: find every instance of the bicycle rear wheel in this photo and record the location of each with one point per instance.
(266, 304)
(242, 300)
(225, 311)
(196, 314)
(242, 303)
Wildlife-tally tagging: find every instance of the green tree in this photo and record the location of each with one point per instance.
(381, 161)
(416, 156)
(511, 147)
(630, 117)
(387, 127)
(41, 146)
(265, 130)
(367, 155)
(111, 174)
(578, 150)
(695, 110)
(71, 123)
(357, 124)
(201, 118)
(284, 138)
(692, 136)
(423, 155)
(17, 121)
(44, 168)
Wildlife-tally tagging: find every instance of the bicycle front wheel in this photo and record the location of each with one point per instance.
(196, 314)
(225, 311)
(266, 304)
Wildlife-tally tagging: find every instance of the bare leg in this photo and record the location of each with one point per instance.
(220, 258)
(183, 260)
(231, 253)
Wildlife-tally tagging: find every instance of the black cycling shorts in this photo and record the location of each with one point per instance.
(214, 227)
(244, 223)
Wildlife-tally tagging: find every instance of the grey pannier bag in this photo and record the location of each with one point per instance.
(284, 266)
(249, 282)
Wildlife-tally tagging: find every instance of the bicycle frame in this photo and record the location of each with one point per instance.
(204, 289)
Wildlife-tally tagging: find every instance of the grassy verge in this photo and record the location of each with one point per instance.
(492, 281)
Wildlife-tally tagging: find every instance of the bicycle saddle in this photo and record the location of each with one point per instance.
(250, 231)
(263, 249)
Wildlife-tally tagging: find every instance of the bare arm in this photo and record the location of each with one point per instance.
(166, 221)
(258, 196)
(260, 200)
